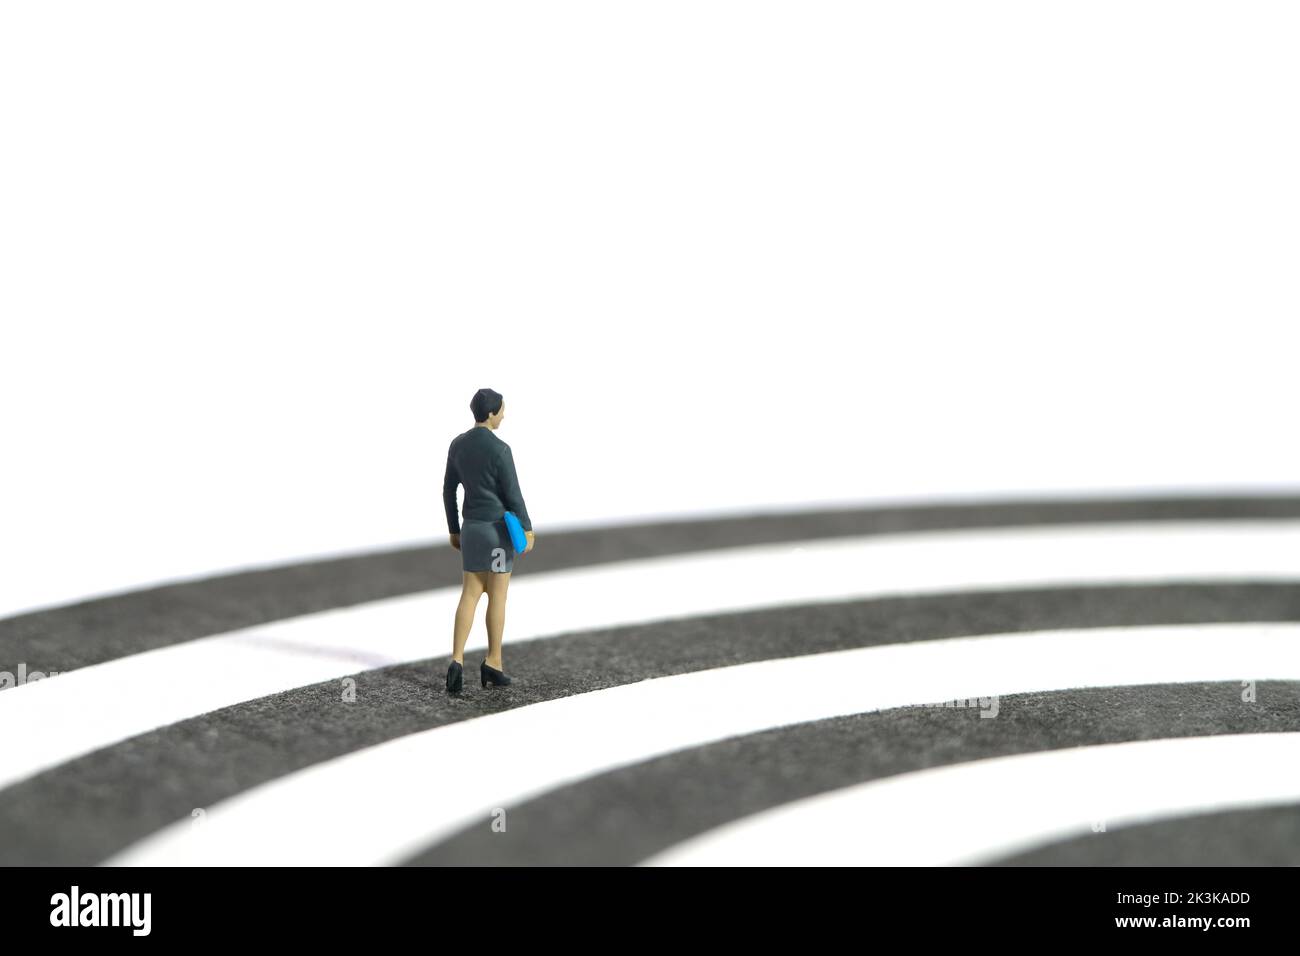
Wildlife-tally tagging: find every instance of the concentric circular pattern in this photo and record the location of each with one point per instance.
(688, 690)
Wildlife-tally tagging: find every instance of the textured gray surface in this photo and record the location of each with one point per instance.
(93, 631)
(1265, 836)
(624, 816)
(85, 810)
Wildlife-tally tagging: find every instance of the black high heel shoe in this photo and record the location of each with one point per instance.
(455, 674)
(486, 674)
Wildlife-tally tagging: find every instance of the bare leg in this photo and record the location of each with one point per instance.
(472, 588)
(496, 585)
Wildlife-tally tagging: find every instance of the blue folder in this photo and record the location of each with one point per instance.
(516, 532)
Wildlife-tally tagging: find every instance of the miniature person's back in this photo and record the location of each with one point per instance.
(484, 464)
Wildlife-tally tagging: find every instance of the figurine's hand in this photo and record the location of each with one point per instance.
(455, 541)
(531, 541)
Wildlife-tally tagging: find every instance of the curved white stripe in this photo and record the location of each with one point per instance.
(976, 813)
(384, 803)
(50, 722)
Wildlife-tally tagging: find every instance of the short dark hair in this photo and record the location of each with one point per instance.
(484, 403)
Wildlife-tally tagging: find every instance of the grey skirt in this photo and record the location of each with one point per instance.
(486, 546)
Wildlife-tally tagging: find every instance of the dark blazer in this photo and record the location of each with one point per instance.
(484, 464)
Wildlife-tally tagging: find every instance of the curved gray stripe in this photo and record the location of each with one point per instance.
(1259, 836)
(94, 631)
(85, 811)
(630, 814)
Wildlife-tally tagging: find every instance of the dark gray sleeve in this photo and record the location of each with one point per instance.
(508, 488)
(449, 482)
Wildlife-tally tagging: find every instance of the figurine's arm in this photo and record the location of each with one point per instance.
(449, 482)
(511, 496)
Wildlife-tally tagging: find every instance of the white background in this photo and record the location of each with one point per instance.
(255, 258)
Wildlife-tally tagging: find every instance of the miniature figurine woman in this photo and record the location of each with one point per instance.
(483, 463)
